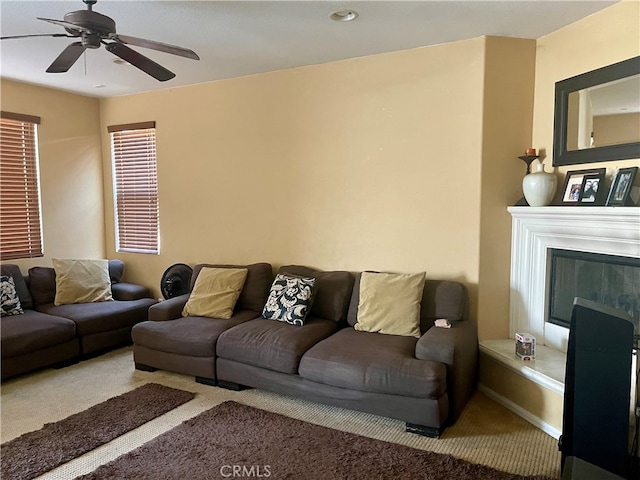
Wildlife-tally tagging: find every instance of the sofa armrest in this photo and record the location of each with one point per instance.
(169, 309)
(457, 348)
(129, 291)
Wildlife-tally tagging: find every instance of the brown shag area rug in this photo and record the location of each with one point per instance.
(35, 453)
(233, 440)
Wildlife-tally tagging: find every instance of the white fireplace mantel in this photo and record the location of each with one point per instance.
(535, 230)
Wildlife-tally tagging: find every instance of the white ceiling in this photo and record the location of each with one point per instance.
(236, 38)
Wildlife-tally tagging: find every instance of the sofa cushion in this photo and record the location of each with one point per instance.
(116, 270)
(443, 299)
(10, 302)
(189, 336)
(440, 299)
(13, 271)
(390, 303)
(256, 286)
(129, 291)
(33, 331)
(215, 292)
(289, 299)
(273, 345)
(332, 291)
(370, 362)
(42, 283)
(98, 317)
(81, 281)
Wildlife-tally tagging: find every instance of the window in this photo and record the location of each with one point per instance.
(133, 150)
(20, 227)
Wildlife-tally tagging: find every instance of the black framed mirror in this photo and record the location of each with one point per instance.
(597, 115)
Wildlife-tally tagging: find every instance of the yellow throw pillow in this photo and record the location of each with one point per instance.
(81, 281)
(390, 303)
(215, 292)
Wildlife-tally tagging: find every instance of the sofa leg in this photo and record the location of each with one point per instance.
(145, 368)
(431, 432)
(206, 381)
(231, 385)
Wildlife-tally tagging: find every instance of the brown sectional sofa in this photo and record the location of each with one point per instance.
(425, 382)
(49, 335)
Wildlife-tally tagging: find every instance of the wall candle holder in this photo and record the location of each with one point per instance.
(528, 159)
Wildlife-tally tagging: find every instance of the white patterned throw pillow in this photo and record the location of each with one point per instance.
(289, 299)
(9, 296)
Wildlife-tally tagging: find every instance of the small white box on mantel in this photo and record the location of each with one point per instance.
(526, 346)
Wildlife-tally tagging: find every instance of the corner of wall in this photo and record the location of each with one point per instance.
(507, 128)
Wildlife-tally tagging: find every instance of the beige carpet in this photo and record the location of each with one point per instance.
(486, 433)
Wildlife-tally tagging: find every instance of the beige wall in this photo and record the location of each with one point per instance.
(606, 37)
(371, 163)
(616, 129)
(506, 119)
(70, 170)
(404, 161)
(510, 69)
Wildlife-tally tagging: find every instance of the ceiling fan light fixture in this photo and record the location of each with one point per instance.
(344, 15)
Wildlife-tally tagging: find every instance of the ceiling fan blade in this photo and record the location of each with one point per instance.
(64, 24)
(67, 58)
(162, 47)
(37, 35)
(140, 61)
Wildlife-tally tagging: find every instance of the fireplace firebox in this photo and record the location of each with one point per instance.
(609, 280)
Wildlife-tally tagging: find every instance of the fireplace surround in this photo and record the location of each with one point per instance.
(537, 230)
(535, 389)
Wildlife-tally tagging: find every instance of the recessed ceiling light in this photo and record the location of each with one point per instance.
(98, 85)
(344, 15)
(119, 61)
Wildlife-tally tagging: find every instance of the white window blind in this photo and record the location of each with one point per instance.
(20, 225)
(133, 150)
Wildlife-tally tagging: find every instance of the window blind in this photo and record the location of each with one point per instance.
(133, 148)
(20, 222)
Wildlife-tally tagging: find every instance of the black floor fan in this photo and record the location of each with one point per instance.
(176, 280)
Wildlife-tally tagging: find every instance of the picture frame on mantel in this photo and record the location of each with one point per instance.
(574, 182)
(592, 190)
(620, 191)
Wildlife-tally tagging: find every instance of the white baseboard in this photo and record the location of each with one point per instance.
(518, 410)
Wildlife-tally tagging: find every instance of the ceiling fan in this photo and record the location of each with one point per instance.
(94, 29)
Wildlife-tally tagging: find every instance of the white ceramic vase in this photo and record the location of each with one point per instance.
(539, 187)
